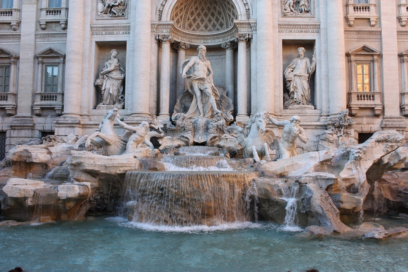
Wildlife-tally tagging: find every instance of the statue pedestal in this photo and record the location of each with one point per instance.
(105, 107)
(307, 113)
(301, 107)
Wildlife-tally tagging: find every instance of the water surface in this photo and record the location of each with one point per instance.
(111, 245)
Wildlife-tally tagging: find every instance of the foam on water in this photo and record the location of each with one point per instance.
(190, 229)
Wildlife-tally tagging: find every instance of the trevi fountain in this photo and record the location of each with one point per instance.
(207, 188)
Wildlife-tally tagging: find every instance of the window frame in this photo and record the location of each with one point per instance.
(53, 84)
(56, 3)
(370, 76)
(9, 2)
(3, 76)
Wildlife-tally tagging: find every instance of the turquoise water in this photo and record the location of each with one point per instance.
(110, 245)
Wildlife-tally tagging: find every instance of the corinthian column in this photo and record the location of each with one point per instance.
(265, 57)
(229, 68)
(181, 57)
(74, 52)
(165, 79)
(242, 78)
(336, 56)
(141, 27)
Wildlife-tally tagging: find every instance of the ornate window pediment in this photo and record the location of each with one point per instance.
(50, 53)
(364, 50)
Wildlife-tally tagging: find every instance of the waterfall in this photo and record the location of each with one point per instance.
(186, 198)
(378, 202)
(200, 163)
(199, 150)
(289, 193)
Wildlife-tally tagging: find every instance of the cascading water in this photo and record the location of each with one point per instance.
(187, 198)
(289, 193)
(200, 163)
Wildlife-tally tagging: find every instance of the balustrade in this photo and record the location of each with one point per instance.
(361, 11)
(369, 100)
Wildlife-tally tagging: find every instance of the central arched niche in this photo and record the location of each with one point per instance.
(204, 16)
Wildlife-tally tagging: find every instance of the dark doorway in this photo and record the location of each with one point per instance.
(363, 137)
(2, 145)
(46, 133)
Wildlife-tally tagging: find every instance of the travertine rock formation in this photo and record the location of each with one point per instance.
(28, 200)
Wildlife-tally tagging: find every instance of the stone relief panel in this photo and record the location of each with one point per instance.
(111, 9)
(297, 8)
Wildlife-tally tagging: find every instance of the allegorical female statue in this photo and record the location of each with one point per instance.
(297, 77)
(111, 81)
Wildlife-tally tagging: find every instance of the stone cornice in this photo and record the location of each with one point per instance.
(299, 27)
(374, 32)
(110, 30)
(10, 36)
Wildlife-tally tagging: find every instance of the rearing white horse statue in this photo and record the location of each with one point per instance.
(106, 138)
(256, 139)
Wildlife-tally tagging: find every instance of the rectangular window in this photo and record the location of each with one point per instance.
(363, 77)
(4, 79)
(6, 4)
(54, 3)
(51, 79)
(361, 1)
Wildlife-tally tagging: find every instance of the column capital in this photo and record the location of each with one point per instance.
(13, 60)
(403, 58)
(181, 46)
(229, 45)
(165, 38)
(241, 37)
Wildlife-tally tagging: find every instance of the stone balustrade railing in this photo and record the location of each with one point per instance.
(8, 102)
(362, 11)
(54, 15)
(403, 13)
(404, 103)
(11, 16)
(48, 101)
(370, 100)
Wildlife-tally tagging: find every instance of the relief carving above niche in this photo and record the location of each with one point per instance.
(112, 9)
(297, 8)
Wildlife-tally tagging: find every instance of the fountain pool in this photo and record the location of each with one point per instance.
(114, 245)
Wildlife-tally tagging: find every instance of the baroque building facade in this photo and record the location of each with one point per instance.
(63, 63)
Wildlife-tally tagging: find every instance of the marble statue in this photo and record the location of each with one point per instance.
(199, 75)
(291, 132)
(110, 81)
(257, 139)
(297, 76)
(106, 137)
(114, 8)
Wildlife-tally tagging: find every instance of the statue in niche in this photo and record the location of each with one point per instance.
(291, 132)
(295, 7)
(297, 76)
(113, 8)
(110, 82)
(199, 75)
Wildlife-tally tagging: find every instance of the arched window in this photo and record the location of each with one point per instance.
(6, 4)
